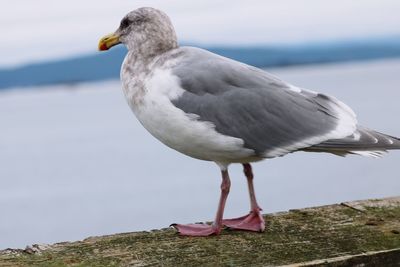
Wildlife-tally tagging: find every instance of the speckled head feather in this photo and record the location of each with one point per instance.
(147, 32)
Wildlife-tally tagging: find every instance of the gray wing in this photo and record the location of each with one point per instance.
(270, 116)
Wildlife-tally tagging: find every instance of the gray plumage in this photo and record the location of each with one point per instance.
(248, 103)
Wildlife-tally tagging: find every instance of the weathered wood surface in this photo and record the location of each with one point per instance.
(347, 234)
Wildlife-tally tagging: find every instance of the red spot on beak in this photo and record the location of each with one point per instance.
(103, 47)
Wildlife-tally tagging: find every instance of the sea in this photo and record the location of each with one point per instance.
(75, 162)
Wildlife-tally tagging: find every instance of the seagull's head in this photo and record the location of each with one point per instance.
(145, 30)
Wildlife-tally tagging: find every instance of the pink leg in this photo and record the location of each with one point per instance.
(215, 228)
(254, 221)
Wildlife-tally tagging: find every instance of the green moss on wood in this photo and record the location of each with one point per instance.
(291, 237)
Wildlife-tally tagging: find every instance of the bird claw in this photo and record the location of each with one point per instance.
(197, 229)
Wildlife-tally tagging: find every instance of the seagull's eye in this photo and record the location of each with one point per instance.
(124, 23)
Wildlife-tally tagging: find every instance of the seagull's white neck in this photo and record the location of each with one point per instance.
(136, 64)
(137, 70)
(134, 71)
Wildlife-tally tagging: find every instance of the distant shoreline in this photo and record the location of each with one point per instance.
(104, 66)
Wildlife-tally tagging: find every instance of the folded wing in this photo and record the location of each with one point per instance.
(271, 117)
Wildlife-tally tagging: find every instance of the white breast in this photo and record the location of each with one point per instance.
(176, 129)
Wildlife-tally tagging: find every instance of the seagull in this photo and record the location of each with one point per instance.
(217, 109)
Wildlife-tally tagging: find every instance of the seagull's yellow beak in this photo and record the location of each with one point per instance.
(109, 41)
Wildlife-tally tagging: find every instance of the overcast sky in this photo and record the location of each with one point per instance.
(46, 29)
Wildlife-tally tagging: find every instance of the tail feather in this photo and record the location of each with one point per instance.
(363, 141)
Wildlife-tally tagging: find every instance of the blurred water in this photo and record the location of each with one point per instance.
(74, 162)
